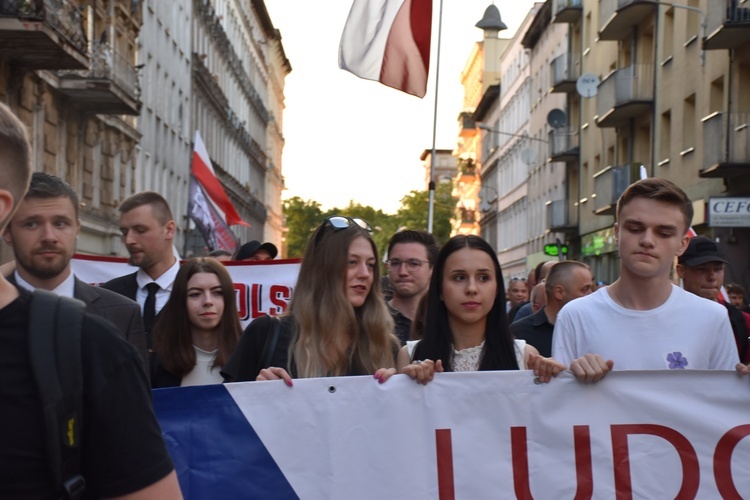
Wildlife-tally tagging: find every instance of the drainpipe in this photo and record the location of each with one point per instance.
(656, 122)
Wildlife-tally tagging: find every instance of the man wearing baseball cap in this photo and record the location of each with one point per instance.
(255, 250)
(701, 268)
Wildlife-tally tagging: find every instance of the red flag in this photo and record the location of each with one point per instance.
(204, 173)
(389, 41)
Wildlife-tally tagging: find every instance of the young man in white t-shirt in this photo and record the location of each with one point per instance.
(642, 321)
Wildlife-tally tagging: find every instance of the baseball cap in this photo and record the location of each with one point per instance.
(701, 250)
(248, 249)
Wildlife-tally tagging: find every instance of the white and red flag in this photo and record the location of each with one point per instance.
(209, 206)
(389, 41)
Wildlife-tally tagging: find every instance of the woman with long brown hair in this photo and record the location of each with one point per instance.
(198, 329)
(338, 323)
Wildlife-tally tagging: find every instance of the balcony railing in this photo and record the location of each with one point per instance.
(558, 216)
(610, 183)
(568, 11)
(109, 86)
(617, 17)
(726, 145)
(565, 72)
(563, 144)
(728, 24)
(624, 94)
(43, 34)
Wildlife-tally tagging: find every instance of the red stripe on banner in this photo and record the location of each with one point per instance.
(584, 467)
(215, 191)
(444, 447)
(723, 461)
(404, 67)
(520, 456)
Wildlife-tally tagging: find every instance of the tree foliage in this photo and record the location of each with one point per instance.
(303, 216)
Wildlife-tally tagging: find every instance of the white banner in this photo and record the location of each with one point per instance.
(262, 287)
(491, 435)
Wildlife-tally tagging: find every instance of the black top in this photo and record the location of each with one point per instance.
(123, 449)
(536, 331)
(739, 327)
(402, 324)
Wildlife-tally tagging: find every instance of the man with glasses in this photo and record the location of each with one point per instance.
(411, 255)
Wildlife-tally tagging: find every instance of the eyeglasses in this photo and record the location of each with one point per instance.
(339, 222)
(411, 264)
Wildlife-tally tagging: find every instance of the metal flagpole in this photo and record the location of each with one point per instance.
(431, 209)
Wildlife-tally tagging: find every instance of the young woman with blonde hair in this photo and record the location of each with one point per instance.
(337, 323)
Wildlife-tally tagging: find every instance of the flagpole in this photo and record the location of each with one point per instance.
(431, 208)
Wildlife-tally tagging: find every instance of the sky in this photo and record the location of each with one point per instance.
(353, 139)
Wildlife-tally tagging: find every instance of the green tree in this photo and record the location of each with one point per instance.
(302, 217)
(415, 206)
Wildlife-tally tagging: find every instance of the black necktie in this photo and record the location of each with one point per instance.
(149, 310)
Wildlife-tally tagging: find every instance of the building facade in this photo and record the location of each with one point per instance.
(70, 74)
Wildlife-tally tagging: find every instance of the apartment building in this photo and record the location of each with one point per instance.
(481, 71)
(666, 101)
(70, 74)
(506, 154)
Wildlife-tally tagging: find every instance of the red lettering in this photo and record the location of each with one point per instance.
(280, 298)
(256, 301)
(723, 461)
(621, 457)
(243, 305)
(584, 469)
(520, 459)
(444, 448)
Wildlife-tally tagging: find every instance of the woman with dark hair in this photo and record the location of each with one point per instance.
(337, 323)
(198, 328)
(466, 326)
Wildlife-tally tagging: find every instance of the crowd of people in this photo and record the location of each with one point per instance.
(446, 309)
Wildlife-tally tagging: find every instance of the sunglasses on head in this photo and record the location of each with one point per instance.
(339, 222)
(518, 279)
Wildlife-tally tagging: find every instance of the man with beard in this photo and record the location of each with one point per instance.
(43, 235)
(411, 255)
(148, 230)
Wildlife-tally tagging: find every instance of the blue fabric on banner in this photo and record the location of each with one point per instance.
(215, 450)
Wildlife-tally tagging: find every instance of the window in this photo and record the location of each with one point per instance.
(688, 124)
(665, 139)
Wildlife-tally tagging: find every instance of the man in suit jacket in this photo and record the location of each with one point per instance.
(148, 231)
(43, 235)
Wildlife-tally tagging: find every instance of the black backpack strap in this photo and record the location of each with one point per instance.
(55, 358)
(270, 348)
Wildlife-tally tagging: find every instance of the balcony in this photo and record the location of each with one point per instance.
(466, 124)
(610, 183)
(726, 145)
(728, 25)
(567, 11)
(42, 34)
(563, 144)
(109, 87)
(558, 219)
(467, 170)
(467, 217)
(624, 94)
(618, 17)
(565, 72)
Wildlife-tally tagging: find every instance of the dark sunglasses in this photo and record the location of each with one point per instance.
(339, 222)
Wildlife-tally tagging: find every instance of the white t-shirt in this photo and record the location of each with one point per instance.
(686, 332)
(202, 373)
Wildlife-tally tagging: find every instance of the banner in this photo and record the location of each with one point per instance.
(490, 435)
(261, 287)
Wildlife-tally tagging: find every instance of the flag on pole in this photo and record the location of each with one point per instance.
(389, 41)
(209, 206)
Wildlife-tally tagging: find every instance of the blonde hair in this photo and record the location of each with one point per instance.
(17, 169)
(323, 315)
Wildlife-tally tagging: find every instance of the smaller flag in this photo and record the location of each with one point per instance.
(209, 206)
(389, 41)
